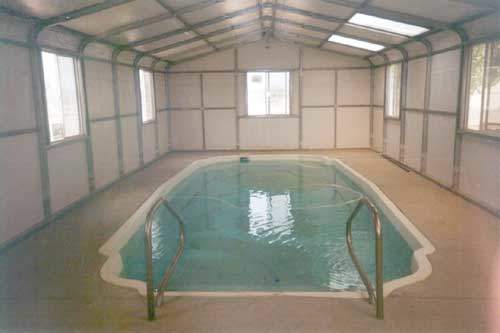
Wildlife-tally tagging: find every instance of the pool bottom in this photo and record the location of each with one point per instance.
(421, 247)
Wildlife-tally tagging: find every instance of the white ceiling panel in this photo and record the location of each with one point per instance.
(320, 7)
(229, 22)
(250, 36)
(146, 31)
(439, 10)
(298, 30)
(177, 4)
(283, 35)
(184, 49)
(235, 32)
(217, 10)
(116, 16)
(371, 34)
(306, 20)
(166, 41)
(190, 53)
(47, 8)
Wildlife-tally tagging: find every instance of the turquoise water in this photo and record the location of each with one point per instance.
(265, 226)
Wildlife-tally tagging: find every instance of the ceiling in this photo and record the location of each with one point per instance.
(177, 30)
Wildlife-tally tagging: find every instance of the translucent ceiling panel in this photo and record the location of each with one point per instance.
(116, 16)
(355, 43)
(384, 24)
(320, 7)
(146, 31)
(371, 34)
(166, 41)
(181, 49)
(219, 9)
(439, 10)
(298, 30)
(302, 19)
(47, 8)
(252, 16)
(345, 49)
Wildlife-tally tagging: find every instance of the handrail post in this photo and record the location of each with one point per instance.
(378, 294)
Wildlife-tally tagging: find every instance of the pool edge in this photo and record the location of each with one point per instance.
(110, 271)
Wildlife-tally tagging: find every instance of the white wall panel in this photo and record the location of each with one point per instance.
(379, 86)
(185, 90)
(269, 133)
(480, 170)
(160, 91)
(415, 91)
(353, 87)
(392, 138)
(163, 132)
(317, 58)
(220, 129)
(444, 81)
(130, 143)
(318, 128)
(68, 174)
(99, 87)
(105, 154)
(16, 96)
(14, 28)
(218, 90)
(440, 149)
(275, 55)
(353, 127)
(413, 139)
(148, 142)
(217, 61)
(378, 129)
(20, 192)
(187, 133)
(126, 88)
(318, 88)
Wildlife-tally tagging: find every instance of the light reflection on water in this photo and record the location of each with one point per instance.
(265, 226)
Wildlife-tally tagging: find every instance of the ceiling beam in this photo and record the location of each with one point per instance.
(206, 36)
(195, 26)
(185, 23)
(273, 20)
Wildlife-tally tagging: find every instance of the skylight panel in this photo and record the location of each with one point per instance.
(355, 43)
(387, 25)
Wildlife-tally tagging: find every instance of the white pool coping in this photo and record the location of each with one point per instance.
(421, 267)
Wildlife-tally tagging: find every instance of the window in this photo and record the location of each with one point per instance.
(268, 93)
(484, 88)
(393, 91)
(387, 25)
(62, 96)
(147, 96)
(355, 43)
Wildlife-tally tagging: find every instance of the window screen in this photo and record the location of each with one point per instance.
(393, 91)
(484, 88)
(62, 96)
(147, 95)
(268, 93)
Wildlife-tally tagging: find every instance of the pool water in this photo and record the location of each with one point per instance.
(266, 226)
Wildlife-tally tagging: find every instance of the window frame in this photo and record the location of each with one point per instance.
(153, 96)
(81, 103)
(486, 82)
(386, 91)
(267, 77)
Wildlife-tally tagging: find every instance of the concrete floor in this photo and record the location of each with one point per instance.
(50, 282)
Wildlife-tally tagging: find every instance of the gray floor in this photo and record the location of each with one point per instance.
(50, 282)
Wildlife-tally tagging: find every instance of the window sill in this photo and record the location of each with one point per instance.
(270, 116)
(66, 141)
(488, 135)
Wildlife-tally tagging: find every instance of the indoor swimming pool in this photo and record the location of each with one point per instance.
(267, 225)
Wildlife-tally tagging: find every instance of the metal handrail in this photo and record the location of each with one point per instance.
(155, 297)
(379, 275)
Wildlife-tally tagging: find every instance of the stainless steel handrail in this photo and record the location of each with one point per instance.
(379, 275)
(155, 297)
